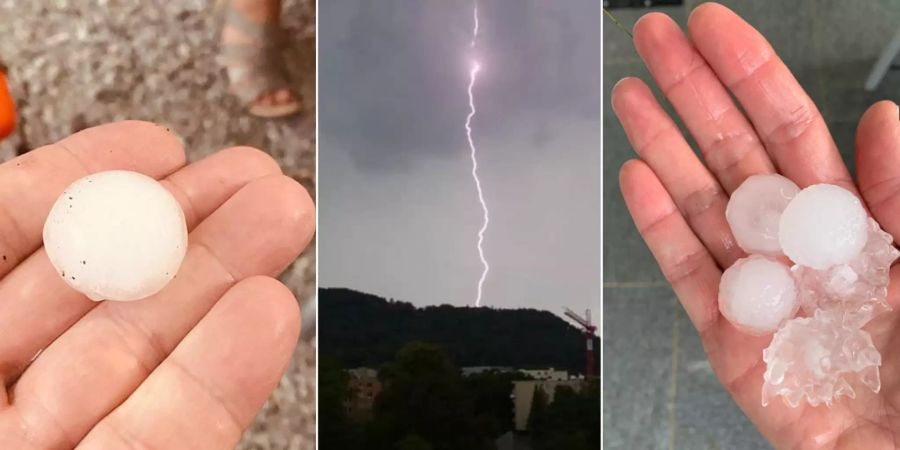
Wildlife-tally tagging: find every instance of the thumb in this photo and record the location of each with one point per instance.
(878, 163)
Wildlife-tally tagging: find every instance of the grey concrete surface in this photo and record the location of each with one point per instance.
(77, 63)
(659, 391)
(638, 354)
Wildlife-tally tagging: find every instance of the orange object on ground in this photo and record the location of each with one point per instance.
(7, 108)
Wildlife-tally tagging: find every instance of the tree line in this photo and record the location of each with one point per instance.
(363, 330)
(426, 404)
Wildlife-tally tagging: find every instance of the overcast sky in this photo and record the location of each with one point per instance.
(398, 210)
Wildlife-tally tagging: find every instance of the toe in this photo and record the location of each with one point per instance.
(265, 100)
(283, 96)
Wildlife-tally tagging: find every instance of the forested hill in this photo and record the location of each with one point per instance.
(362, 329)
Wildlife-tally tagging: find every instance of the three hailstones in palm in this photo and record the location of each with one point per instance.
(817, 271)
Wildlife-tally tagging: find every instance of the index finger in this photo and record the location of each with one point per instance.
(729, 143)
(31, 183)
(786, 119)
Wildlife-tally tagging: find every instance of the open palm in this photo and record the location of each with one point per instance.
(186, 368)
(678, 202)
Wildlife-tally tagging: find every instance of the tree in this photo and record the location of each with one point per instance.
(336, 430)
(424, 396)
(413, 442)
(538, 415)
(492, 402)
(571, 421)
(367, 330)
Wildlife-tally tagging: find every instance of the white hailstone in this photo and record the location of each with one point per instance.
(116, 235)
(757, 294)
(818, 359)
(754, 211)
(859, 287)
(823, 226)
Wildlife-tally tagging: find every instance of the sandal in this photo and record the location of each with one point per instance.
(256, 68)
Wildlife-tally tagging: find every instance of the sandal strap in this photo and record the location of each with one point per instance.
(266, 34)
(253, 68)
(264, 60)
(248, 53)
(253, 71)
(250, 87)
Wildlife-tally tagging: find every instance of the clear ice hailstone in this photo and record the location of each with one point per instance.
(757, 294)
(823, 226)
(754, 211)
(116, 235)
(859, 287)
(817, 358)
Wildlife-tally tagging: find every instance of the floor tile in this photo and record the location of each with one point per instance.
(706, 417)
(637, 372)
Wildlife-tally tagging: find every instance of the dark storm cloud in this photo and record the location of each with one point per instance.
(396, 91)
(398, 210)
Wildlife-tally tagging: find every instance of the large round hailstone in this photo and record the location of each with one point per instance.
(825, 225)
(116, 235)
(757, 294)
(754, 211)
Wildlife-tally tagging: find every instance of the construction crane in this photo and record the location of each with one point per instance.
(589, 331)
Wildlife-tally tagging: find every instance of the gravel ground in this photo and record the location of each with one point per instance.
(78, 63)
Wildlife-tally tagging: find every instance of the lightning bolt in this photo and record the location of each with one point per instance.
(473, 75)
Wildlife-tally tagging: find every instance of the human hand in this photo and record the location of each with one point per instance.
(186, 368)
(678, 202)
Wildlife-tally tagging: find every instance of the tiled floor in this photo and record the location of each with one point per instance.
(659, 389)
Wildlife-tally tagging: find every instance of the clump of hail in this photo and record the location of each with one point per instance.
(116, 235)
(815, 250)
